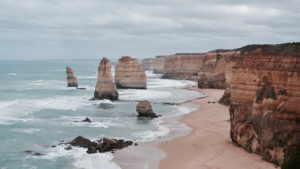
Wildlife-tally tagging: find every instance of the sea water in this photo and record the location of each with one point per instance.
(38, 110)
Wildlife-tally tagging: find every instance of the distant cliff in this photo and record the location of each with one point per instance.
(264, 95)
(212, 70)
(147, 64)
(159, 63)
(182, 66)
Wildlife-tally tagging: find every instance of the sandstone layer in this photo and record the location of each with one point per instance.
(147, 64)
(144, 109)
(212, 70)
(182, 66)
(265, 100)
(72, 82)
(159, 63)
(105, 88)
(129, 74)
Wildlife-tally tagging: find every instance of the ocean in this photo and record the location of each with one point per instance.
(38, 110)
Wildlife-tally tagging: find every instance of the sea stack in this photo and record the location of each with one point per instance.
(105, 87)
(129, 74)
(158, 65)
(144, 109)
(72, 82)
(147, 64)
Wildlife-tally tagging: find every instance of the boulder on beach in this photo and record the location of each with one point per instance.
(144, 109)
(72, 82)
(105, 87)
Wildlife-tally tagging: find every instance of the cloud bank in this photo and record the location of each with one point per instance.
(79, 29)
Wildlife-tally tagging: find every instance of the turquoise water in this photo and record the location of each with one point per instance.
(37, 110)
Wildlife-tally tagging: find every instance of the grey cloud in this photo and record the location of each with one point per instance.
(43, 29)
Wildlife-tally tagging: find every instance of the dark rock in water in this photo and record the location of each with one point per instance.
(108, 144)
(69, 148)
(213, 102)
(33, 153)
(91, 150)
(208, 102)
(80, 141)
(87, 120)
(159, 115)
(80, 88)
(144, 109)
(54, 146)
(135, 144)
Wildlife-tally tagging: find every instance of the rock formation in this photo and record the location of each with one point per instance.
(158, 65)
(147, 64)
(182, 66)
(105, 88)
(72, 82)
(137, 61)
(265, 100)
(144, 109)
(129, 74)
(212, 70)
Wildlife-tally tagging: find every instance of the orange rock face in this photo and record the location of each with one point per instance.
(182, 66)
(72, 82)
(105, 87)
(212, 71)
(265, 100)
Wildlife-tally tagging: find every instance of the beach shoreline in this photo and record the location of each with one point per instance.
(208, 145)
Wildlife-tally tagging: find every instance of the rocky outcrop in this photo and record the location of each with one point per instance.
(144, 109)
(129, 74)
(105, 88)
(182, 66)
(158, 65)
(147, 64)
(212, 70)
(265, 100)
(108, 144)
(72, 82)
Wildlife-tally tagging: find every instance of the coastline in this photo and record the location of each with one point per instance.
(208, 145)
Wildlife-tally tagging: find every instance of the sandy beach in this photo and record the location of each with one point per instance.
(208, 145)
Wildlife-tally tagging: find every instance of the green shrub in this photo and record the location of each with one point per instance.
(293, 163)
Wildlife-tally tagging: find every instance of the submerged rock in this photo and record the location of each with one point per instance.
(33, 153)
(105, 88)
(108, 144)
(72, 82)
(144, 109)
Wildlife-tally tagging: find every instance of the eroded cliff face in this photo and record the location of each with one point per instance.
(72, 82)
(212, 70)
(182, 66)
(265, 100)
(105, 88)
(129, 74)
(147, 64)
(159, 62)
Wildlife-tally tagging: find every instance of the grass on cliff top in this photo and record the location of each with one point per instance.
(293, 163)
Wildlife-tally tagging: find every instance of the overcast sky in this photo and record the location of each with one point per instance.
(88, 29)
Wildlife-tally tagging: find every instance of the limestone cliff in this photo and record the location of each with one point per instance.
(182, 66)
(212, 70)
(105, 88)
(147, 64)
(72, 82)
(158, 66)
(129, 74)
(265, 100)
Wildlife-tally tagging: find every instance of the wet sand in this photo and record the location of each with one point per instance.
(208, 145)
